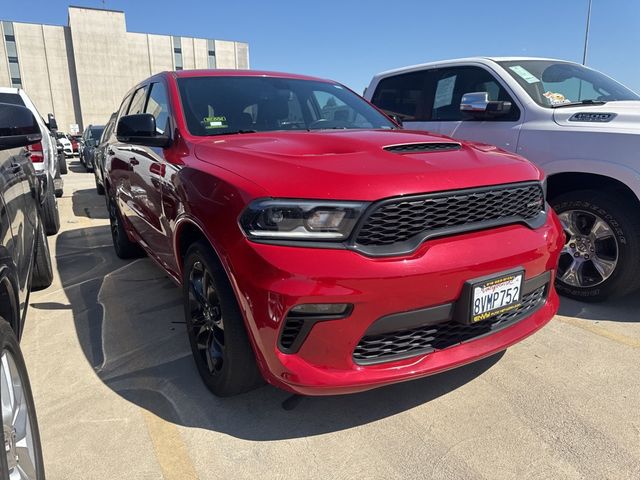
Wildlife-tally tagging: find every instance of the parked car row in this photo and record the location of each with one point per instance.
(25, 264)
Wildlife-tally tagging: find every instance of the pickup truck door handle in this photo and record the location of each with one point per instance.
(15, 168)
(134, 161)
(111, 152)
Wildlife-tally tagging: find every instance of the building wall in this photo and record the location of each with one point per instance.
(5, 79)
(58, 68)
(81, 73)
(161, 53)
(225, 54)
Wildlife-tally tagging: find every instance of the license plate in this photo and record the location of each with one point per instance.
(495, 296)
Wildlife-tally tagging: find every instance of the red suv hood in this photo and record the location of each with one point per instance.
(352, 164)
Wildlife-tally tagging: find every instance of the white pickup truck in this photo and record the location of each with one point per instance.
(579, 125)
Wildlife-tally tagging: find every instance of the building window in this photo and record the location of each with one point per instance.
(211, 58)
(177, 52)
(12, 54)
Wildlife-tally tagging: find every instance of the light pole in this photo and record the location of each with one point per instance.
(586, 36)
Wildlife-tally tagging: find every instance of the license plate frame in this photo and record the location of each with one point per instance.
(507, 278)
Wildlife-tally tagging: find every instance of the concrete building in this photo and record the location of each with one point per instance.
(81, 72)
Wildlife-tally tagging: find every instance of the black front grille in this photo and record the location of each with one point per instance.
(423, 147)
(407, 343)
(405, 219)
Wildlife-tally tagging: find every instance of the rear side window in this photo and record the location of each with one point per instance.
(11, 98)
(404, 95)
(158, 106)
(137, 104)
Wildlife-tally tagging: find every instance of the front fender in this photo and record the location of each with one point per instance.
(616, 171)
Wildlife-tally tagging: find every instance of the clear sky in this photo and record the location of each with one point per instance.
(349, 41)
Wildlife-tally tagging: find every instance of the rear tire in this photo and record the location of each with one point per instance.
(604, 249)
(217, 334)
(50, 212)
(42, 269)
(18, 412)
(124, 247)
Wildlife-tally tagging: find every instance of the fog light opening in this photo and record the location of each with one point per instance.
(321, 309)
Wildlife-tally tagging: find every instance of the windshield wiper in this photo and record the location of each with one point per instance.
(232, 132)
(581, 102)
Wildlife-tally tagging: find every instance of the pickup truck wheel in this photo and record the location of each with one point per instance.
(20, 435)
(62, 161)
(218, 338)
(42, 270)
(124, 247)
(50, 212)
(601, 256)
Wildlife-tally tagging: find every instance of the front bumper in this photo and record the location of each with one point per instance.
(270, 280)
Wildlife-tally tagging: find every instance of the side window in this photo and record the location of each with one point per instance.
(124, 106)
(404, 95)
(158, 106)
(137, 104)
(452, 83)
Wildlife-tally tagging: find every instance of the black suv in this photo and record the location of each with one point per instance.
(90, 139)
(25, 263)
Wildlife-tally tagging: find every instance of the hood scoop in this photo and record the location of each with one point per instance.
(423, 147)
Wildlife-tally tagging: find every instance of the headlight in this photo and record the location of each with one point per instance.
(300, 219)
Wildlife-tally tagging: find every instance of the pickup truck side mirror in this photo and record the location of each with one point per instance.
(478, 105)
(18, 127)
(53, 124)
(140, 129)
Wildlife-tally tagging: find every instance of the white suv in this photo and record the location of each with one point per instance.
(44, 156)
(579, 125)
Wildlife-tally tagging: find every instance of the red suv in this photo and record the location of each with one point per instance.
(319, 246)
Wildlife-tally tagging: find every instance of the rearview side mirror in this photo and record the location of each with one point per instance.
(18, 127)
(478, 105)
(53, 124)
(140, 129)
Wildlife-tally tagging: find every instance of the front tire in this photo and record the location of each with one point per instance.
(99, 188)
(601, 257)
(20, 434)
(217, 334)
(62, 161)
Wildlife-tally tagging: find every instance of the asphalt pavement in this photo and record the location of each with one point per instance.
(118, 396)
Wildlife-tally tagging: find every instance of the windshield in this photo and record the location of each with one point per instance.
(220, 105)
(552, 83)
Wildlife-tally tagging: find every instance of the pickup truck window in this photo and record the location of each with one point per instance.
(435, 94)
(552, 83)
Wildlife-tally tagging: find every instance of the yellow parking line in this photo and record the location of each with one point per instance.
(170, 449)
(601, 331)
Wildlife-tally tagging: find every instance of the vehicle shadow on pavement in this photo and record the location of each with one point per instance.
(129, 321)
(75, 166)
(84, 204)
(625, 309)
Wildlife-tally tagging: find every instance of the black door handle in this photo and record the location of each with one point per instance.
(110, 152)
(15, 168)
(134, 161)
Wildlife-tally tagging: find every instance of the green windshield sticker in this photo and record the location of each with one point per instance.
(219, 121)
(525, 74)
